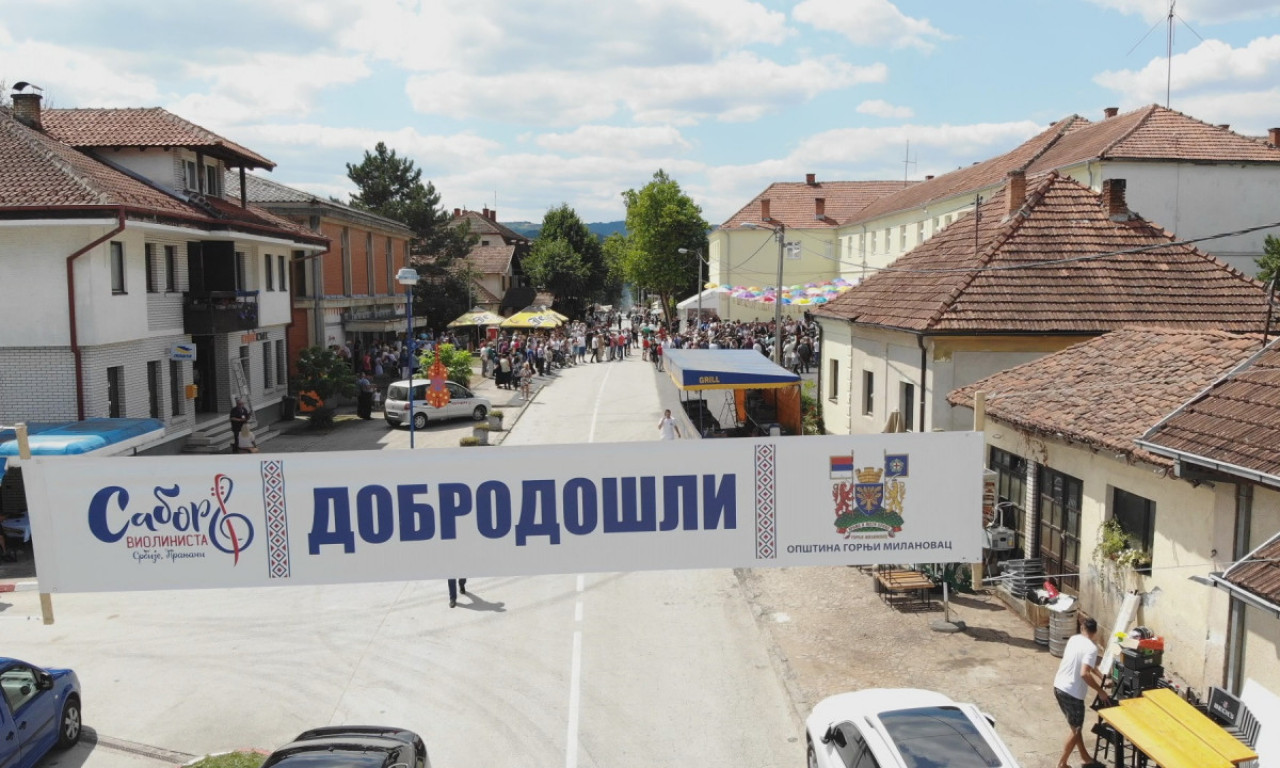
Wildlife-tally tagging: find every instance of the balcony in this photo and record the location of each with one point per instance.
(219, 312)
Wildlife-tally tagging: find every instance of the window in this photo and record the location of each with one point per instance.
(271, 283)
(868, 393)
(117, 267)
(300, 274)
(902, 237)
(368, 263)
(212, 179)
(280, 271)
(175, 388)
(873, 243)
(20, 685)
(282, 372)
(919, 232)
(240, 276)
(391, 271)
(346, 262)
(192, 179)
(267, 367)
(244, 365)
(1058, 508)
(833, 381)
(1137, 518)
(153, 387)
(1011, 495)
(907, 405)
(115, 392)
(149, 255)
(171, 268)
(888, 242)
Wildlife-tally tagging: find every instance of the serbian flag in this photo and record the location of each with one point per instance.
(841, 466)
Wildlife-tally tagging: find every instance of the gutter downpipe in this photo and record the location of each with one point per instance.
(1236, 608)
(71, 307)
(923, 371)
(849, 385)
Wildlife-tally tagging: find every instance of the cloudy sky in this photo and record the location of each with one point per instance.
(522, 104)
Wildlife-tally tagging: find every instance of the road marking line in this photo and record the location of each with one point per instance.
(575, 683)
(595, 413)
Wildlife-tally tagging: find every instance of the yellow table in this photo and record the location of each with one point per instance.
(1159, 737)
(1193, 720)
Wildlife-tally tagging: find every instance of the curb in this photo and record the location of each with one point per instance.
(800, 701)
(20, 586)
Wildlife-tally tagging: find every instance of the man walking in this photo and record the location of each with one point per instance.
(1077, 673)
(239, 417)
(668, 427)
(364, 397)
(454, 586)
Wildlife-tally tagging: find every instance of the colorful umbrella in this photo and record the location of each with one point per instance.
(475, 317)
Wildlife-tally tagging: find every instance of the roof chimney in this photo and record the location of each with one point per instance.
(484, 213)
(1273, 135)
(1113, 199)
(26, 108)
(1225, 126)
(929, 177)
(819, 208)
(764, 209)
(811, 179)
(457, 213)
(493, 214)
(1110, 112)
(1015, 191)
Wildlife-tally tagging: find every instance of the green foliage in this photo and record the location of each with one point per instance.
(1113, 546)
(325, 373)
(468, 441)
(456, 361)
(662, 219)
(1269, 264)
(442, 293)
(810, 411)
(568, 260)
(231, 760)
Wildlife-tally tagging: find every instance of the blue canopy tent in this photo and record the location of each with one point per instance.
(765, 395)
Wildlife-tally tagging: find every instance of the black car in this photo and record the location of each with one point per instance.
(352, 746)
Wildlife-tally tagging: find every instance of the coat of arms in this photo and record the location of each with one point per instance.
(872, 503)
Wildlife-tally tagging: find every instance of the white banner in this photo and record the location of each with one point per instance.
(248, 520)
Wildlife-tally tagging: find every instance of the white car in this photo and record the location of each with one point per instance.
(463, 403)
(902, 728)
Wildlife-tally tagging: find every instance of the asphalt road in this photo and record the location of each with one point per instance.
(625, 669)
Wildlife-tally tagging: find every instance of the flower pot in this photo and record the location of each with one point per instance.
(495, 423)
(481, 434)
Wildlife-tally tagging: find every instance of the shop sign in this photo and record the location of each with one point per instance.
(182, 351)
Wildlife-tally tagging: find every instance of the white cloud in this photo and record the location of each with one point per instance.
(869, 22)
(609, 139)
(1208, 72)
(1208, 11)
(264, 85)
(882, 108)
(78, 76)
(431, 152)
(738, 87)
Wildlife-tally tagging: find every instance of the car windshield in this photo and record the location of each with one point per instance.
(938, 737)
(401, 392)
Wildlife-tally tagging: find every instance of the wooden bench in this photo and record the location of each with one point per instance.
(899, 584)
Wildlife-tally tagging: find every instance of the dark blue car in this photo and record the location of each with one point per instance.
(39, 710)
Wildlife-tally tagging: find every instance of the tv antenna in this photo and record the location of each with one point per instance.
(1168, 46)
(906, 161)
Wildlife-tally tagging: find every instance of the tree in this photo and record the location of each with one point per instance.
(566, 259)
(1269, 264)
(661, 219)
(323, 375)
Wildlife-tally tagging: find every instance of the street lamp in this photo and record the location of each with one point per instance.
(779, 233)
(701, 261)
(408, 277)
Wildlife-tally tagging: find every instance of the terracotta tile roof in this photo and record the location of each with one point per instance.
(491, 259)
(482, 225)
(1259, 573)
(1149, 133)
(39, 173)
(971, 178)
(484, 295)
(794, 203)
(143, 127)
(267, 192)
(1236, 422)
(1108, 391)
(1154, 133)
(1013, 277)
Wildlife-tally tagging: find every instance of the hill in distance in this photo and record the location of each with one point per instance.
(602, 230)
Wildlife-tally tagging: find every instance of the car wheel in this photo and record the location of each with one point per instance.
(419, 421)
(479, 413)
(813, 756)
(69, 729)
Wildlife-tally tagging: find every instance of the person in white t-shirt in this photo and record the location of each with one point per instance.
(1077, 673)
(668, 426)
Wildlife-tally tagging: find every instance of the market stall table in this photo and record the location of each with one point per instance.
(896, 583)
(1186, 739)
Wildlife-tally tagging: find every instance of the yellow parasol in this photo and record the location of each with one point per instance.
(476, 317)
(533, 318)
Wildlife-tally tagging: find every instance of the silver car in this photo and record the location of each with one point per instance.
(463, 403)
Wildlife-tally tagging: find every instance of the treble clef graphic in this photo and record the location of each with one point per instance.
(222, 486)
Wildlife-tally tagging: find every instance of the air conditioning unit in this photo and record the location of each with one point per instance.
(999, 538)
